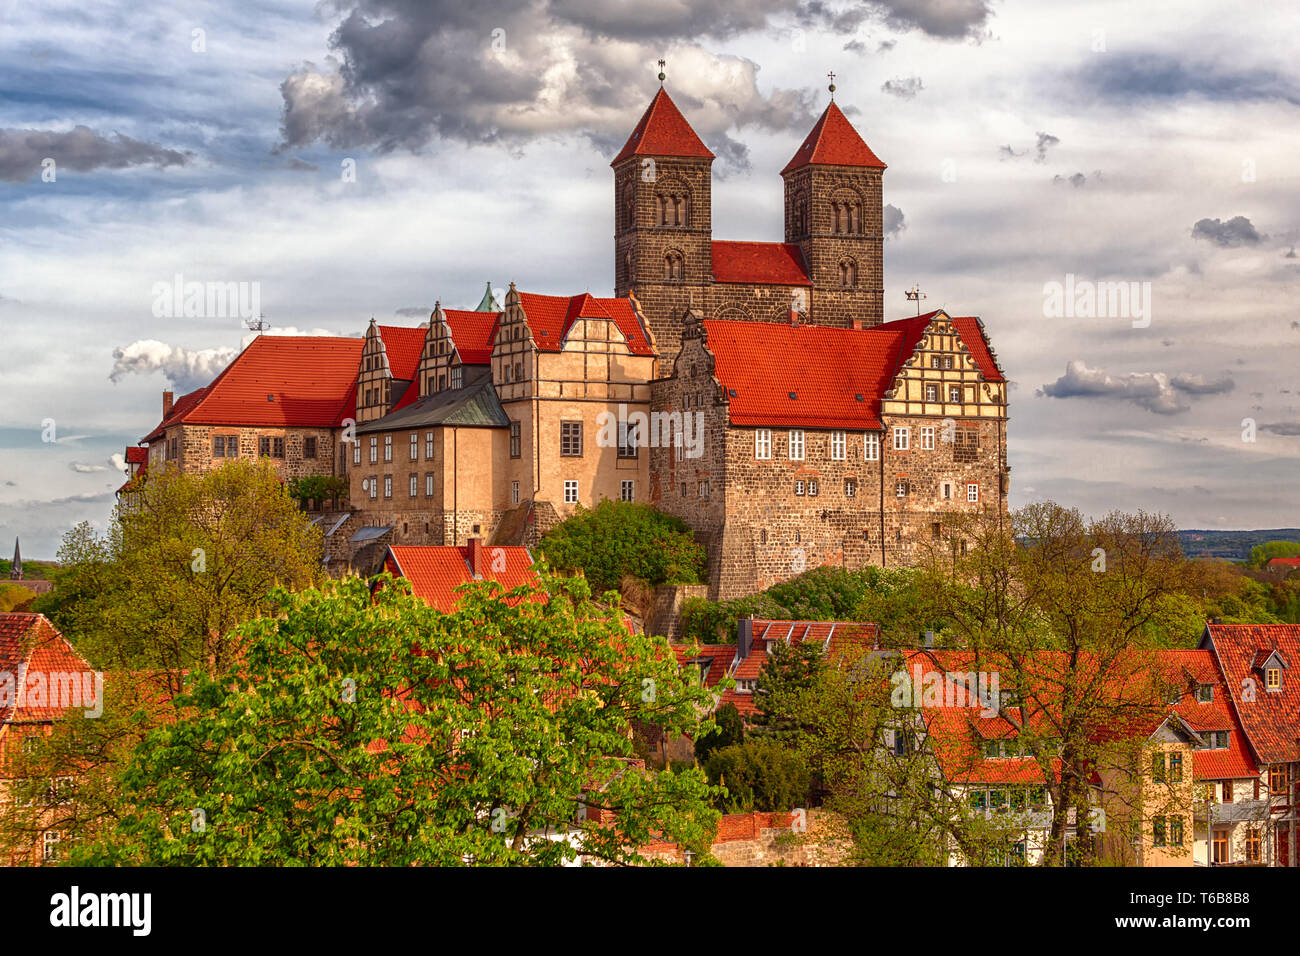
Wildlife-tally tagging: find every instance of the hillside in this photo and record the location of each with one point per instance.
(1231, 545)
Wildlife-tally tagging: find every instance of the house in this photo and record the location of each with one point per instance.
(435, 572)
(1258, 663)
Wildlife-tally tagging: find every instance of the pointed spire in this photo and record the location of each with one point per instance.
(16, 572)
(833, 142)
(489, 301)
(663, 131)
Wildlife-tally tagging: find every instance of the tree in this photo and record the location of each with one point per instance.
(377, 730)
(729, 729)
(1069, 613)
(618, 538)
(1260, 554)
(192, 558)
(788, 672)
(758, 775)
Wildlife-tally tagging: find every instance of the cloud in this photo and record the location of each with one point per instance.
(1148, 75)
(1155, 391)
(406, 74)
(82, 468)
(1077, 180)
(81, 149)
(185, 369)
(1237, 231)
(904, 87)
(943, 19)
(301, 165)
(414, 311)
(1045, 142)
(893, 220)
(118, 461)
(1289, 429)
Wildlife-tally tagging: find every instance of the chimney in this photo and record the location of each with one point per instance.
(744, 637)
(794, 318)
(167, 403)
(929, 638)
(476, 558)
(857, 324)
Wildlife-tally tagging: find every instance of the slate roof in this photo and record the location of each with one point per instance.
(767, 263)
(833, 142)
(663, 131)
(474, 405)
(1272, 719)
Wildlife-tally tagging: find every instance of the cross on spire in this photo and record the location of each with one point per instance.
(832, 86)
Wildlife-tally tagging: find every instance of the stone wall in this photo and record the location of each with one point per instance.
(770, 839)
(665, 618)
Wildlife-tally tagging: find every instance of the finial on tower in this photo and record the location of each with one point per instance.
(662, 75)
(915, 294)
(832, 86)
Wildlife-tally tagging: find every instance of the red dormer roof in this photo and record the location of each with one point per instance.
(136, 455)
(663, 131)
(435, 571)
(473, 334)
(1205, 717)
(551, 316)
(403, 346)
(279, 381)
(1272, 719)
(767, 263)
(833, 142)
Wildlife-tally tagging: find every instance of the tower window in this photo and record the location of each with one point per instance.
(848, 273)
(674, 267)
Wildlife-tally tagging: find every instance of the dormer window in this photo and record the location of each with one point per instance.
(1205, 693)
(1273, 678)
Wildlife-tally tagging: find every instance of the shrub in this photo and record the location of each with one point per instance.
(759, 775)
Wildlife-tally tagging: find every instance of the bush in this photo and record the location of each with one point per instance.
(729, 729)
(14, 596)
(618, 538)
(759, 775)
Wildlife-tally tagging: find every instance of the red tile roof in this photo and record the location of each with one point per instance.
(403, 346)
(1272, 720)
(768, 263)
(551, 316)
(833, 142)
(436, 571)
(473, 334)
(1283, 562)
(311, 381)
(179, 408)
(136, 454)
(1198, 666)
(663, 131)
(32, 647)
(971, 331)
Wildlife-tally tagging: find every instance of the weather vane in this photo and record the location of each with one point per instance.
(915, 294)
(662, 75)
(832, 86)
(258, 324)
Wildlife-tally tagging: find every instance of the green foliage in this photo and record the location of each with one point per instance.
(618, 538)
(318, 488)
(13, 596)
(729, 729)
(195, 556)
(787, 674)
(819, 594)
(1261, 553)
(377, 730)
(759, 775)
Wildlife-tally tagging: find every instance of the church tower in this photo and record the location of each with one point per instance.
(663, 219)
(833, 212)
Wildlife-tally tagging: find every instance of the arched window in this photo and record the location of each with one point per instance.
(672, 205)
(627, 265)
(674, 267)
(848, 273)
(846, 213)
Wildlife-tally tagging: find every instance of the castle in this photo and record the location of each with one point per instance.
(752, 388)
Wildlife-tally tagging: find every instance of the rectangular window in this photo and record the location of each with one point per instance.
(1175, 768)
(264, 447)
(388, 486)
(796, 444)
(388, 448)
(570, 492)
(428, 484)
(1279, 779)
(514, 492)
(1158, 768)
(1273, 678)
(372, 484)
(798, 488)
(900, 489)
(50, 845)
(514, 440)
(1175, 831)
(628, 439)
(219, 446)
(850, 487)
(932, 392)
(457, 377)
(428, 446)
(902, 437)
(277, 447)
(627, 490)
(1227, 791)
(972, 492)
(415, 486)
(927, 438)
(571, 440)
(356, 452)
(1205, 693)
(309, 447)
(1158, 831)
(812, 487)
(838, 443)
(871, 447)
(1252, 845)
(415, 447)
(954, 393)
(763, 444)
(374, 449)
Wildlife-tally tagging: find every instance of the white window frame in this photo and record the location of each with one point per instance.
(428, 484)
(388, 448)
(927, 438)
(972, 492)
(388, 486)
(932, 392)
(374, 449)
(415, 486)
(415, 446)
(372, 485)
(514, 492)
(871, 447)
(839, 442)
(900, 489)
(356, 452)
(796, 444)
(955, 394)
(763, 444)
(627, 490)
(570, 492)
(904, 433)
(428, 446)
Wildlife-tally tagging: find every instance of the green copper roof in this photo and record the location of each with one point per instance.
(489, 302)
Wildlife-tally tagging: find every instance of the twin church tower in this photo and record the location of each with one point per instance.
(829, 268)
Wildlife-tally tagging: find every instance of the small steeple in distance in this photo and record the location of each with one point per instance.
(16, 571)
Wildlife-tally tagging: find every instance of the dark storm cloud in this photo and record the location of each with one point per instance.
(1155, 391)
(893, 220)
(1288, 429)
(1237, 231)
(1045, 142)
(1152, 75)
(904, 87)
(80, 149)
(944, 19)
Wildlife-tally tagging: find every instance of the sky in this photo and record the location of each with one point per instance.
(356, 158)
